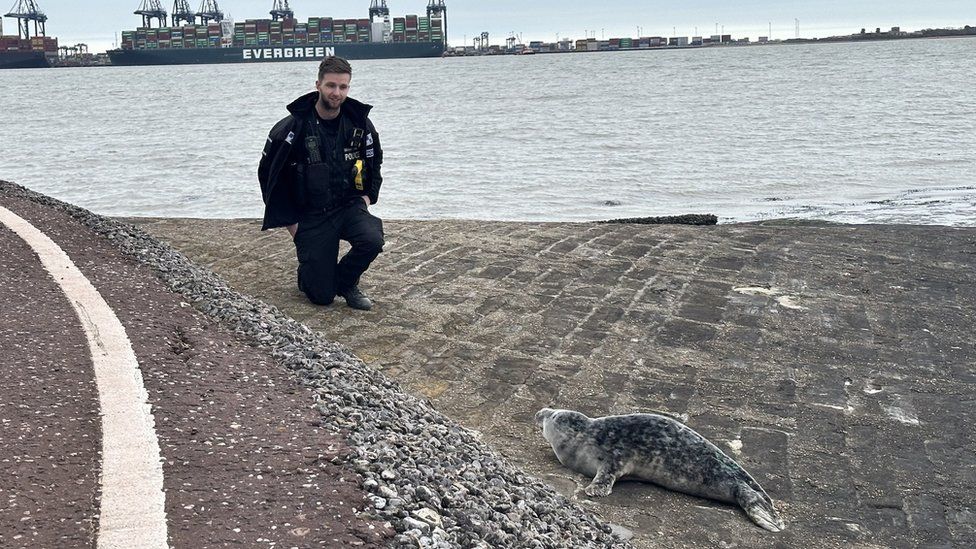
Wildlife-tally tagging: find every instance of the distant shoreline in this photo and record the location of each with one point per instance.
(658, 43)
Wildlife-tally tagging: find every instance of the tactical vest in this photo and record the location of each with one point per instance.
(329, 177)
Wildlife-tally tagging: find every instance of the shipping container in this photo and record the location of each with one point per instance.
(265, 32)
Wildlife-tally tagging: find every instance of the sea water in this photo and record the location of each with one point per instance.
(879, 132)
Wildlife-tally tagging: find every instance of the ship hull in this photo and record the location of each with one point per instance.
(274, 54)
(23, 60)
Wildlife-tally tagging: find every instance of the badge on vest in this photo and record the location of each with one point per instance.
(357, 138)
(352, 154)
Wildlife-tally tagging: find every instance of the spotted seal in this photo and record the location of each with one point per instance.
(654, 448)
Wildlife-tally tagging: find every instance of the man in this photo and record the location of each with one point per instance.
(319, 173)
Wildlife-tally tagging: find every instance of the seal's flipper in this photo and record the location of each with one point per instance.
(759, 508)
(602, 483)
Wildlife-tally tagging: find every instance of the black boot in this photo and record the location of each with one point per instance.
(356, 299)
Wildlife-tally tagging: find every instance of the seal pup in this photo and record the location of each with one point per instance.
(654, 448)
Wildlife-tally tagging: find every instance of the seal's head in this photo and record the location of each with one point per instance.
(560, 423)
(542, 415)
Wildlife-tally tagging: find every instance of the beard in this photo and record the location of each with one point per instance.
(329, 104)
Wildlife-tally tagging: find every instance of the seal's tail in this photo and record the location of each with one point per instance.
(759, 508)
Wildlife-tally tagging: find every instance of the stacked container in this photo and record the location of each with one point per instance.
(412, 24)
(250, 33)
(265, 32)
(36, 43)
(437, 30)
(214, 34)
(362, 30)
(14, 43)
(288, 32)
(274, 33)
(399, 29)
(314, 29)
(326, 36)
(165, 36)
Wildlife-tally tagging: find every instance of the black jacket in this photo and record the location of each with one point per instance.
(282, 203)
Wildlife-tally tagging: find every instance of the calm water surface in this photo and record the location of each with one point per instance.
(867, 133)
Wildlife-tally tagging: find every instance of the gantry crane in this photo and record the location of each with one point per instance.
(280, 10)
(182, 13)
(24, 12)
(71, 51)
(378, 8)
(209, 11)
(149, 10)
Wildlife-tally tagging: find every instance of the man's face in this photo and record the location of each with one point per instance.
(333, 89)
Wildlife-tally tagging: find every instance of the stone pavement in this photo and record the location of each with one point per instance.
(835, 362)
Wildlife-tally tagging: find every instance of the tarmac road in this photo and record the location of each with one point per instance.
(243, 460)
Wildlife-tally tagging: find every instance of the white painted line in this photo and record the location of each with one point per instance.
(133, 506)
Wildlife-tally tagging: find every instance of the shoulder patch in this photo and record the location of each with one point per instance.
(369, 139)
(290, 138)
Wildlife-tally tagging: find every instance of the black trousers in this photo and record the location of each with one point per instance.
(317, 246)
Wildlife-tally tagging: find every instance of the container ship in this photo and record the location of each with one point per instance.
(23, 51)
(207, 37)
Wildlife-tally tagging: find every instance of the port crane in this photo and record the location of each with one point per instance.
(514, 42)
(24, 12)
(481, 42)
(379, 9)
(72, 51)
(280, 10)
(149, 10)
(209, 11)
(437, 9)
(182, 13)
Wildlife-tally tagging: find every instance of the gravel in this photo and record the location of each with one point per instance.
(431, 479)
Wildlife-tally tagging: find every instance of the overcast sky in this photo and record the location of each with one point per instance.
(96, 22)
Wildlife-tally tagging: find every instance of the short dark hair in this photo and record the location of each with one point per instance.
(335, 65)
